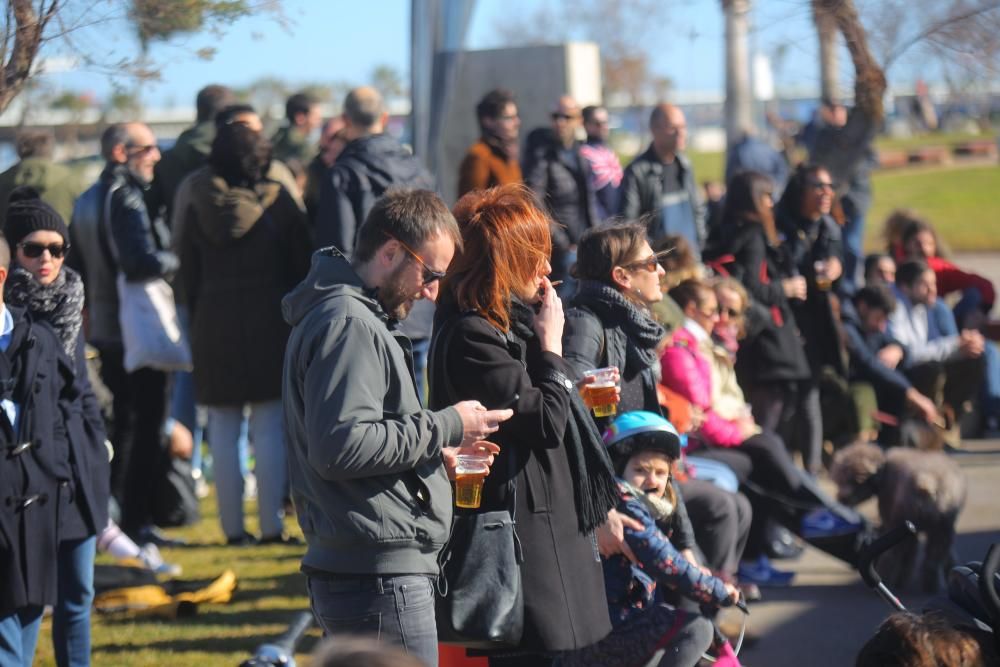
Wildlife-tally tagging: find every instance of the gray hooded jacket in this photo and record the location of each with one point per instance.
(369, 485)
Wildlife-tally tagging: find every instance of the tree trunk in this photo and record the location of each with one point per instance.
(739, 102)
(27, 39)
(826, 30)
(869, 79)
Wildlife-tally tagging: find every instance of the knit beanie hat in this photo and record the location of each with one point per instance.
(27, 213)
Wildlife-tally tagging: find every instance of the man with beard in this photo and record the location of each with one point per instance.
(368, 467)
(492, 160)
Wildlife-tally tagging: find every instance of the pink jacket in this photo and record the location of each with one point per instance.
(686, 371)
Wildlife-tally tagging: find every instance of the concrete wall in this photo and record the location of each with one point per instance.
(537, 76)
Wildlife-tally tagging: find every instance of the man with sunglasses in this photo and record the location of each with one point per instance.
(138, 246)
(561, 179)
(367, 464)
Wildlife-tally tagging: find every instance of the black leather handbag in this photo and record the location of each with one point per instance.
(480, 603)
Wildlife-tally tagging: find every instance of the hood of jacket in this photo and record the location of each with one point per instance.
(384, 161)
(194, 144)
(224, 213)
(330, 276)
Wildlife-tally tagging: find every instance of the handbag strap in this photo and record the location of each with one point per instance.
(109, 246)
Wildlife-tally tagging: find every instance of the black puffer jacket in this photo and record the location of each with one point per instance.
(368, 167)
(36, 473)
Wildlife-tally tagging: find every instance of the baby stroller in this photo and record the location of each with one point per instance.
(971, 602)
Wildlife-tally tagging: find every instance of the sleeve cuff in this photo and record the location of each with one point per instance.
(451, 424)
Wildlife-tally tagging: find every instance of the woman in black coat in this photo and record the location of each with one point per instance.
(772, 364)
(610, 324)
(490, 344)
(61, 474)
(244, 244)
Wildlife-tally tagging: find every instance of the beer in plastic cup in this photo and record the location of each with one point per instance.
(601, 395)
(469, 476)
(823, 283)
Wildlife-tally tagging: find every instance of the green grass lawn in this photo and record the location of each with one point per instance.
(270, 591)
(920, 140)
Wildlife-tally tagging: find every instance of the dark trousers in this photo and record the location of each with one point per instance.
(792, 410)
(140, 408)
(721, 522)
(951, 382)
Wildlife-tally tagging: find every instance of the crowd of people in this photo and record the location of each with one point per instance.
(359, 336)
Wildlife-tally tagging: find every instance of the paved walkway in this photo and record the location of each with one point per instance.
(828, 614)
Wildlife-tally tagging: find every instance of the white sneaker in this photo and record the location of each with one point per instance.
(153, 560)
(249, 486)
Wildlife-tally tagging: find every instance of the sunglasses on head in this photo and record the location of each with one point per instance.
(429, 275)
(35, 250)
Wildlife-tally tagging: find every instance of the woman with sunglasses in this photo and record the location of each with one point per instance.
(53, 293)
(244, 244)
(611, 324)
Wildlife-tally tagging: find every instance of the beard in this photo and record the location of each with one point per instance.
(396, 299)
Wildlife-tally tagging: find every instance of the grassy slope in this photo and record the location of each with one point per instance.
(270, 591)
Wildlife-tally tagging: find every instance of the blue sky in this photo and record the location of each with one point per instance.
(341, 40)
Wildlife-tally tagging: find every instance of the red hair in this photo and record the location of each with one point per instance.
(506, 240)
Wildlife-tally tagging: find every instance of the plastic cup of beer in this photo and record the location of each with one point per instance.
(823, 283)
(601, 395)
(469, 476)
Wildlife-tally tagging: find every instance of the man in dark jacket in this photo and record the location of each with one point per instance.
(38, 391)
(370, 164)
(137, 247)
(661, 184)
(367, 464)
(189, 152)
(294, 141)
(561, 180)
(878, 359)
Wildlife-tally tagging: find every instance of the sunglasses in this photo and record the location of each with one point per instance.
(822, 185)
(562, 116)
(651, 263)
(35, 250)
(731, 313)
(430, 275)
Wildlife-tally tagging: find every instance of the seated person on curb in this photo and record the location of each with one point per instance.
(880, 269)
(876, 358)
(701, 371)
(937, 355)
(643, 447)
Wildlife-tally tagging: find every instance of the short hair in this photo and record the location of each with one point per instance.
(4, 253)
(909, 272)
(603, 248)
(34, 143)
(906, 639)
(876, 297)
(298, 103)
(363, 107)
(240, 155)
(660, 112)
(114, 135)
(409, 216)
(872, 261)
(691, 290)
(589, 111)
(211, 100)
(228, 114)
(493, 103)
(506, 241)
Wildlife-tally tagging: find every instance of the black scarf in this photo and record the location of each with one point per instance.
(59, 303)
(611, 307)
(594, 487)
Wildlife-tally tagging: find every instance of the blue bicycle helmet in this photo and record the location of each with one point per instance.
(640, 431)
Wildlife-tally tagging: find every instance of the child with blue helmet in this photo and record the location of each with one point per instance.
(643, 447)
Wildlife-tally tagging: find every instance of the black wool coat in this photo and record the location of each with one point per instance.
(565, 604)
(36, 472)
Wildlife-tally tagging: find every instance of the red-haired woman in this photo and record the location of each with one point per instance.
(498, 339)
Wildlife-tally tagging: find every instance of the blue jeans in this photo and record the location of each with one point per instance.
(396, 610)
(18, 636)
(991, 381)
(224, 433)
(853, 237)
(71, 617)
